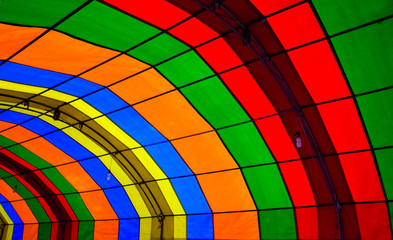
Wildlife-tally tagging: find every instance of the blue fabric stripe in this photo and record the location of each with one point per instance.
(136, 126)
(38, 126)
(10, 210)
(18, 224)
(14, 117)
(121, 203)
(30, 75)
(17, 234)
(168, 159)
(200, 227)
(94, 167)
(193, 201)
(78, 87)
(68, 145)
(129, 229)
(99, 173)
(105, 101)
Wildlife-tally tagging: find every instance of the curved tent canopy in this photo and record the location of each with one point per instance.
(191, 119)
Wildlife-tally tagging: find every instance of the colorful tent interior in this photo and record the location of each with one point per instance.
(196, 119)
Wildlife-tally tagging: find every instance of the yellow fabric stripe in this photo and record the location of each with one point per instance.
(145, 223)
(5, 216)
(117, 132)
(180, 225)
(149, 163)
(18, 87)
(59, 96)
(8, 229)
(7, 232)
(145, 229)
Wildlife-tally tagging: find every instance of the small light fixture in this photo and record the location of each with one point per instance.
(56, 114)
(14, 189)
(108, 177)
(298, 140)
(26, 103)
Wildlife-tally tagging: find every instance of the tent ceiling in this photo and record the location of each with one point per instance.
(180, 119)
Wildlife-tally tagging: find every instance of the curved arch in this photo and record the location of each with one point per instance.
(233, 83)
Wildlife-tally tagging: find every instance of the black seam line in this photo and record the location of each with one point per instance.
(120, 162)
(214, 213)
(119, 54)
(48, 30)
(190, 49)
(213, 130)
(329, 40)
(133, 75)
(365, 129)
(185, 176)
(358, 27)
(189, 84)
(335, 35)
(177, 88)
(232, 17)
(275, 73)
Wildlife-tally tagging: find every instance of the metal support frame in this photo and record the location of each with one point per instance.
(247, 37)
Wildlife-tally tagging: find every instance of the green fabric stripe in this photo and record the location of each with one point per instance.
(44, 231)
(385, 164)
(340, 15)
(57, 179)
(53, 175)
(366, 55)
(37, 209)
(105, 26)
(391, 213)
(159, 49)
(267, 187)
(4, 174)
(29, 157)
(215, 103)
(86, 230)
(377, 112)
(5, 142)
(40, 13)
(33, 203)
(78, 206)
(277, 224)
(246, 145)
(184, 69)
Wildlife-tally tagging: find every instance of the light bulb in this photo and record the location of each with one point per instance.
(108, 177)
(298, 140)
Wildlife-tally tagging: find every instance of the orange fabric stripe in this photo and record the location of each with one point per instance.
(5, 125)
(106, 230)
(98, 205)
(226, 191)
(18, 134)
(142, 86)
(204, 153)
(13, 38)
(45, 150)
(30, 232)
(115, 70)
(173, 116)
(78, 177)
(243, 225)
(59, 52)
